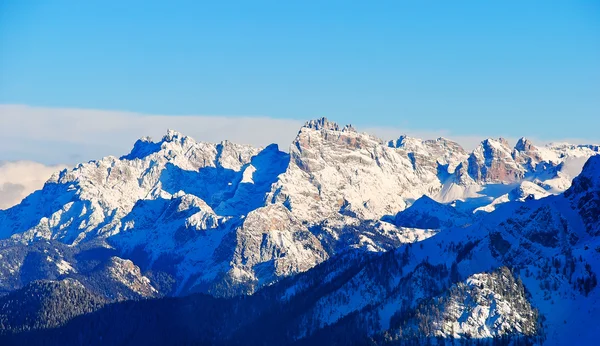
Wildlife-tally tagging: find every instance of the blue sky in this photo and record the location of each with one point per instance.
(489, 68)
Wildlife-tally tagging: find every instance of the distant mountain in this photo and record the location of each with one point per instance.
(524, 273)
(344, 239)
(227, 219)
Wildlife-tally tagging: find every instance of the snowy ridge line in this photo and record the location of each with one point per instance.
(228, 219)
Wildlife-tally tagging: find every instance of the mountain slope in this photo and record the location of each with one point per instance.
(46, 304)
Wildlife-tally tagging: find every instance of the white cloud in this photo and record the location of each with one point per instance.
(18, 179)
(66, 135)
(53, 135)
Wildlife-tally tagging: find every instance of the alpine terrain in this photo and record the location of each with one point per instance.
(342, 238)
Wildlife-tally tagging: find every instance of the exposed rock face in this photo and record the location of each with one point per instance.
(332, 170)
(492, 162)
(524, 145)
(128, 274)
(272, 237)
(440, 155)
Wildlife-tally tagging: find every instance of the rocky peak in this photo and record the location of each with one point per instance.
(349, 128)
(142, 148)
(395, 143)
(403, 141)
(173, 135)
(524, 145)
(429, 154)
(492, 161)
(525, 153)
(495, 145)
(322, 124)
(145, 146)
(234, 156)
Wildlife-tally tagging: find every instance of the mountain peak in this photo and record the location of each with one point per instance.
(524, 145)
(173, 135)
(142, 148)
(349, 128)
(404, 141)
(494, 141)
(425, 200)
(145, 146)
(322, 123)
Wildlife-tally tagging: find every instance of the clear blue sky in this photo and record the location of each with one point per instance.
(469, 67)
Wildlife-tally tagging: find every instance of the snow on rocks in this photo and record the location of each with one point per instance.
(252, 215)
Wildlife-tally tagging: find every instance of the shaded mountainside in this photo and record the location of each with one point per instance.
(46, 304)
(97, 268)
(261, 319)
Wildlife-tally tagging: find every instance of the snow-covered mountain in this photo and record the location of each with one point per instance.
(528, 268)
(523, 273)
(177, 216)
(227, 218)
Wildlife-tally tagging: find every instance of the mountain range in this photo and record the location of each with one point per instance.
(343, 239)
